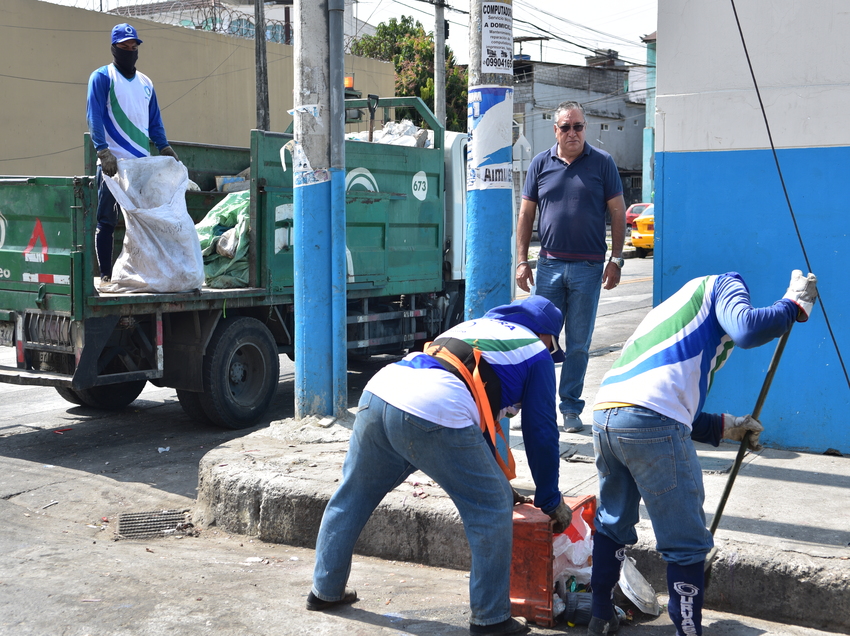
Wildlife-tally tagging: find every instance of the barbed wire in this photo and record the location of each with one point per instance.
(202, 15)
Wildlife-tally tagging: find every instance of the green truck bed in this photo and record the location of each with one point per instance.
(69, 335)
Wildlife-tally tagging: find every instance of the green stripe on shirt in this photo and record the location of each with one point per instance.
(666, 329)
(124, 123)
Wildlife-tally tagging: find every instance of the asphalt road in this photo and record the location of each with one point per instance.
(67, 472)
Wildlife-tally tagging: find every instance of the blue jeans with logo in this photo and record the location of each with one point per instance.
(573, 287)
(641, 454)
(387, 445)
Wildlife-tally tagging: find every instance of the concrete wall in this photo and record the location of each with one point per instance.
(719, 200)
(204, 83)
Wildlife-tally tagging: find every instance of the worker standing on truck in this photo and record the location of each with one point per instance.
(123, 117)
(427, 412)
(648, 411)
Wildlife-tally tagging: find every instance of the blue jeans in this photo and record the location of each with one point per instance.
(386, 446)
(573, 287)
(643, 455)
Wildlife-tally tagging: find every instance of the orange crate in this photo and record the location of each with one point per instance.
(532, 578)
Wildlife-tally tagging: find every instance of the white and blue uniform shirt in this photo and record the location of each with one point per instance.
(123, 114)
(420, 385)
(669, 363)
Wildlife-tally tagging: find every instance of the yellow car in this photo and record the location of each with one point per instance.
(643, 232)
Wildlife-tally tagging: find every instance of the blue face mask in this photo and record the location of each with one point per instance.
(125, 61)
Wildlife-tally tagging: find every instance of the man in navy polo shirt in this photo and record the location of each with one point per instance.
(572, 184)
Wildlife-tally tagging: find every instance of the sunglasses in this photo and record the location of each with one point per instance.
(565, 128)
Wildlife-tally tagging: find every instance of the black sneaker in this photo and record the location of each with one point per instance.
(505, 628)
(315, 604)
(600, 627)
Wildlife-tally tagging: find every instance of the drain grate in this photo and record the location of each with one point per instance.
(145, 525)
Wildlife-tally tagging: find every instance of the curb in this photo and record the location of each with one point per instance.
(272, 487)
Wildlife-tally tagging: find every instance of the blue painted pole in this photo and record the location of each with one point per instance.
(313, 294)
(489, 279)
(490, 181)
(319, 216)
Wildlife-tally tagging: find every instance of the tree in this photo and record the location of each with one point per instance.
(411, 50)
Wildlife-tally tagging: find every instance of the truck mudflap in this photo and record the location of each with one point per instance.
(56, 351)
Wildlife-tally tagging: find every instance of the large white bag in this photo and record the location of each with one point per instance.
(161, 251)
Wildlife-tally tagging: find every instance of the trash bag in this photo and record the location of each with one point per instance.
(161, 252)
(224, 242)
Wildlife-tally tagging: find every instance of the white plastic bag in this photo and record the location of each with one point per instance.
(161, 251)
(572, 558)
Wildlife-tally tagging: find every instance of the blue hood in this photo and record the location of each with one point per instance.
(535, 313)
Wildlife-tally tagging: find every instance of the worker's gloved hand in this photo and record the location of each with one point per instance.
(563, 516)
(803, 290)
(108, 162)
(520, 499)
(734, 429)
(168, 151)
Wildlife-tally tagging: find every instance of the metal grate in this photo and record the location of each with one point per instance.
(145, 525)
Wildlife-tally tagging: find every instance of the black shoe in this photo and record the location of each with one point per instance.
(572, 423)
(505, 628)
(315, 604)
(600, 627)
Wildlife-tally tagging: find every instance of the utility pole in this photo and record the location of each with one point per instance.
(489, 279)
(318, 159)
(440, 62)
(262, 71)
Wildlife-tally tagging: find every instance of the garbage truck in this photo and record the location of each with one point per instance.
(219, 348)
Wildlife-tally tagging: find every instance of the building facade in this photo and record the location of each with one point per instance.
(615, 114)
(729, 161)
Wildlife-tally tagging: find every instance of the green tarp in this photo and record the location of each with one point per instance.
(220, 271)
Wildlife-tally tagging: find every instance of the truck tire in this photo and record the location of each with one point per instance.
(641, 252)
(70, 395)
(112, 397)
(191, 403)
(240, 371)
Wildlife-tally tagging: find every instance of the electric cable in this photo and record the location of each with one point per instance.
(785, 190)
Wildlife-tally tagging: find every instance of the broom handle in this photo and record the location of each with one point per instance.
(742, 450)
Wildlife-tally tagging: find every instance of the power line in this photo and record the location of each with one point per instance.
(785, 189)
(47, 154)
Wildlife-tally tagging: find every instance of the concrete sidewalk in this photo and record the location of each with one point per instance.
(784, 538)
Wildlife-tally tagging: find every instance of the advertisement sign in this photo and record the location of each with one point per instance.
(497, 38)
(489, 158)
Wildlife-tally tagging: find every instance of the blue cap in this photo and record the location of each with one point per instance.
(537, 314)
(123, 32)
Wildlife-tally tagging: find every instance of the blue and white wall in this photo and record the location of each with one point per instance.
(720, 204)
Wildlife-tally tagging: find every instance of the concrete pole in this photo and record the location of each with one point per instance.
(440, 63)
(339, 305)
(489, 279)
(320, 342)
(262, 66)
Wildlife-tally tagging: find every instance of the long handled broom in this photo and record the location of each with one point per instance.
(742, 450)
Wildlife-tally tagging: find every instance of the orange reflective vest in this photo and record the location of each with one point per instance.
(465, 361)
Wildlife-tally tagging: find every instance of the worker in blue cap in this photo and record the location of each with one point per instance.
(438, 411)
(123, 117)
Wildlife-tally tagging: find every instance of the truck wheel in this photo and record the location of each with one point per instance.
(70, 395)
(241, 370)
(111, 397)
(641, 252)
(191, 403)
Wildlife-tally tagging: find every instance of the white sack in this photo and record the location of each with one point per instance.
(161, 251)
